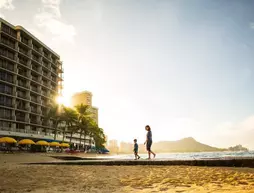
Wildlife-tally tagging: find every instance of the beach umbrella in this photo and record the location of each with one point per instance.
(54, 144)
(26, 142)
(42, 143)
(65, 145)
(7, 140)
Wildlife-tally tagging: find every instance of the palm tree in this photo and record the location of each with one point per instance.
(69, 116)
(84, 118)
(99, 137)
(97, 134)
(55, 115)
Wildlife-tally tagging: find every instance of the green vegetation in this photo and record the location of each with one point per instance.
(76, 120)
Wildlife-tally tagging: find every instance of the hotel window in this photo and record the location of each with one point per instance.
(44, 102)
(5, 113)
(6, 64)
(8, 42)
(22, 82)
(21, 93)
(33, 98)
(6, 76)
(5, 89)
(22, 60)
(33, 108)
(34, 66)
(13, 33)
(24, 40)
(44, 92)
(33, 128)
(20, 104)
(21, 71)
(8, 89)
(23, 50)
(5, 28)
(7, 53)
(20, 126)
(34, 88)
(5, 124)
(36, 47)
(5, 101)
(35, 57)
(20, 116)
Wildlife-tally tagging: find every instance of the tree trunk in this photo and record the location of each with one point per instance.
(71, 136)
(55, 133)
(80, 139)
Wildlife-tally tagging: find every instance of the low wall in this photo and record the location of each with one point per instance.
(211, 163)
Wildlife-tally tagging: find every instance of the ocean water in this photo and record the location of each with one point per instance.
(190, 156)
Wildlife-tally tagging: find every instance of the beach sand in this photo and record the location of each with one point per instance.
(15, 177)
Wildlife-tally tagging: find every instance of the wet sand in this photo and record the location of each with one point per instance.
(16, 177)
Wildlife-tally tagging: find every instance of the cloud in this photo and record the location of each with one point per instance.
(252, 25)
(7, 5)
(53, 6)
(49, 18)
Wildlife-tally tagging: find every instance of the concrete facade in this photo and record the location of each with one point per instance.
(30, 79)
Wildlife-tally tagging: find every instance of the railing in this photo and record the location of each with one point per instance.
(44, 74)
(22, 84)
(7, 65)
(34, 89)
(20, 130)
(5, 128)
(24, 40)
(53, 78)
(21, 108)
(21, 95)
(34, 99)
(9, 31)
(18, 118)
(22, 61)
(33, 121)
(36, 48)
(23, 51)
(45, 64)
(35, 68)
(34, 78)
(35, 58)
(7, 54)
(53, 70)
(34, 110)
(22, 74)
(8, 43)
(45, 83)
(6, 79)
(44, 93)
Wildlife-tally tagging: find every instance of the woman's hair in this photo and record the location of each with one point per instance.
(148, 128)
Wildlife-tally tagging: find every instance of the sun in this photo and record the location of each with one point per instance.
(61, 100)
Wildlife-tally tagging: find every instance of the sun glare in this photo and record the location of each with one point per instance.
(63, 101)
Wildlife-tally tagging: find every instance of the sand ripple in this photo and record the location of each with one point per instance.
(38, 179)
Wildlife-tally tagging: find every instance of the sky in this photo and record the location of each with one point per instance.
(185, 67)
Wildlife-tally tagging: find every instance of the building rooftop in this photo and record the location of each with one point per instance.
(18, 27)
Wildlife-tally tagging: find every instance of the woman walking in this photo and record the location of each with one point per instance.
(149, 142)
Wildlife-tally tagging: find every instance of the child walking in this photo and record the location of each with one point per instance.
(136, 149)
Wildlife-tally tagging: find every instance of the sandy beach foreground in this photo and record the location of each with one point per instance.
(16, 177)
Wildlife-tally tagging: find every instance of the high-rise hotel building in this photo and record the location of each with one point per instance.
(85, 98)
(30, 79)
